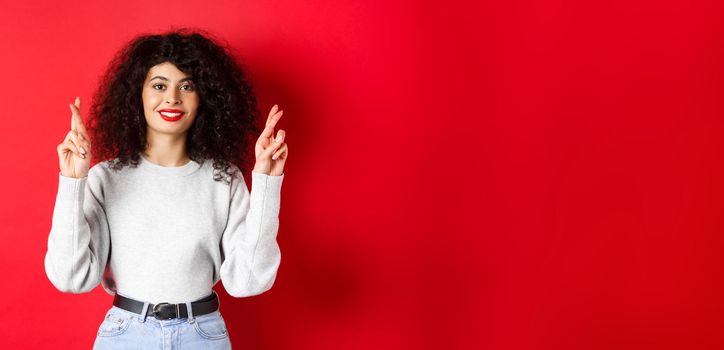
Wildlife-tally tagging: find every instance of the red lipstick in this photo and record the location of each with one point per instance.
(171, 115)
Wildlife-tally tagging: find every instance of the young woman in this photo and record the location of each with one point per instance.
(166, 213)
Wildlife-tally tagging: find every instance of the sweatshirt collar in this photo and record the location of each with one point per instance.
(188, 168)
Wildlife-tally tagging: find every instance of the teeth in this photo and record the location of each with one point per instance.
(171, 115)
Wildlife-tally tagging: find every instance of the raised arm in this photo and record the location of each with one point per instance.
(79, 239)
(249, 245)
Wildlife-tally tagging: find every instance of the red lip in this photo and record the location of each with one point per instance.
(171, 111)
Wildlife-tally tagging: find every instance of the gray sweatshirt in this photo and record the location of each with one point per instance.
(164, 234)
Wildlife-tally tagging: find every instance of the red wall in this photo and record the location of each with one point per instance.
(511, 175)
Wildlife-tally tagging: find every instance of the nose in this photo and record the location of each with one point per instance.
(172, 97)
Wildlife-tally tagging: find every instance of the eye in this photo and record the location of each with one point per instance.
(156, 85)
(188, 87)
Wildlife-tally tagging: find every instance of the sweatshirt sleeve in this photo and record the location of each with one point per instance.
(249, 245)
(79, 239)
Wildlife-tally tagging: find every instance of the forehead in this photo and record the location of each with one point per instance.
(167, 70)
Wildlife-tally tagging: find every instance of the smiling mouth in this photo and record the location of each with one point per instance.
(171, 116)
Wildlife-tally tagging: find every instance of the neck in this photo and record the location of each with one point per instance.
(166, 150)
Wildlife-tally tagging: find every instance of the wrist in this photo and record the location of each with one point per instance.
(260, 171)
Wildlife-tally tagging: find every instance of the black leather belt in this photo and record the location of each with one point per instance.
(166, 311)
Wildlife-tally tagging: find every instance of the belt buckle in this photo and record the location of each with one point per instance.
(157, 312)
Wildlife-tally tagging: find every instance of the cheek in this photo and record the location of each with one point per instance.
(193, 103)
(149, 101)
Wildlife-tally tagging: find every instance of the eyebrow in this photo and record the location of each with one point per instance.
(166, 79)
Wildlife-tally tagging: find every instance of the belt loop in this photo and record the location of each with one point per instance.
(189, 312)
(144, 312)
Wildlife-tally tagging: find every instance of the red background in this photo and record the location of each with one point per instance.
(510, 175)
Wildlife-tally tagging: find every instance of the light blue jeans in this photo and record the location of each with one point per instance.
(123, 329)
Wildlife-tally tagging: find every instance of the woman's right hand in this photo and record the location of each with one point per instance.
(74, 151)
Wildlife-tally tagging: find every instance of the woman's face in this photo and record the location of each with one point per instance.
(170, 100)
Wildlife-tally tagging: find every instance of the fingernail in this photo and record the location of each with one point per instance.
(82, 150)
(279, 138)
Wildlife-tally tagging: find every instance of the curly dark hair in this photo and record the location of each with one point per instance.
(225, 121)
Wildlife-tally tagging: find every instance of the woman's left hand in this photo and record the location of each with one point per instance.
(271, 153)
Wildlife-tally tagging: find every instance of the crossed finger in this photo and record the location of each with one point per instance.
(273, 111)
(276, 145)
(271, 121)
(76, 121)
(78, 141)
(282, 152)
